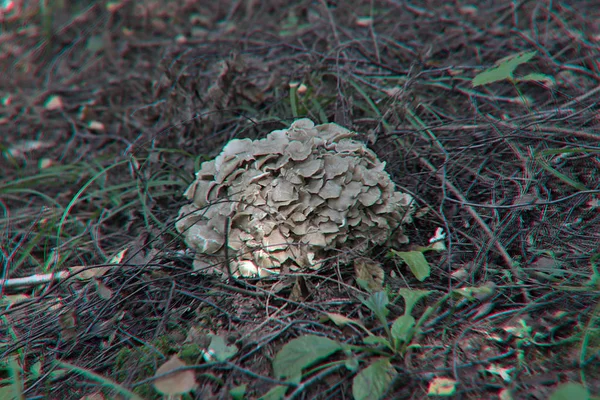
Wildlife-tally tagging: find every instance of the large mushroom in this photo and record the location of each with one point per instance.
(286, 200)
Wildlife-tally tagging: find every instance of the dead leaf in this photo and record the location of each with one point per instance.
(364, 22)
(68, 326)
(176, 383)
(45, 163)
(299, 291)
(25, 146)
(442, 387)
(84, 273)
(370, 272)
(103, 291)
(96, 126)
(117, 258)
(53, 103)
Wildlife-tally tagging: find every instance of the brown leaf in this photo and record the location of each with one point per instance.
(68, 326)
(84, 273)
(176, 383)
(299, 291)
(104, 291)
(370, 272)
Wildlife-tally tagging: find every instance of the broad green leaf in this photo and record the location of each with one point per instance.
(377, 302)
(416, 262)
(504, 69)
(277, 393)
(374, 381)
(238, 392)
(402, 326)
(220, 350)
(571, 391)
(411, 297)
(301, 353)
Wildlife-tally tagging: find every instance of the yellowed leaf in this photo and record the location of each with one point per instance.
(12, 299)
(441, 387)
(117, 258)
(179, 382)
(84, 273)
(370, 272)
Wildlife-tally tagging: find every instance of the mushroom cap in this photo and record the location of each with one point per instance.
(290, 198)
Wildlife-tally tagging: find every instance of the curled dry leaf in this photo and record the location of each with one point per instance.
(179, 382)
(287, 200)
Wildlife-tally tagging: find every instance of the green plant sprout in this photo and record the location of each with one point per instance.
(505, 68)
(376, 352)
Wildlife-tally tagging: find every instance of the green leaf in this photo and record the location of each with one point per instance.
(570, 391)
(374, 381)
(402, 326)
(377, 302)
(351, 363)
(36, 370)
(220, 350)
(301, 353)
(378, 340)
(416, 262)
(504, 69)
(537, 77)
(277, 393)
(364, 285)
(15, 373)
(411, 297)
(238, 392)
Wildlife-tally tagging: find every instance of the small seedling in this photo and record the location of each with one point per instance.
(505, 68)
(372, 359)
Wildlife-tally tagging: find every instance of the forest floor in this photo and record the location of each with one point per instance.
(107, 108)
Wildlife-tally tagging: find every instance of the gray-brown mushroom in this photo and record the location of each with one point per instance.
(290, 198)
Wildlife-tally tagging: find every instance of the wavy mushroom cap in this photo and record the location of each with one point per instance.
(290, 198)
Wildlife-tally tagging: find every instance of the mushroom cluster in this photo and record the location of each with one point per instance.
(285, 201)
